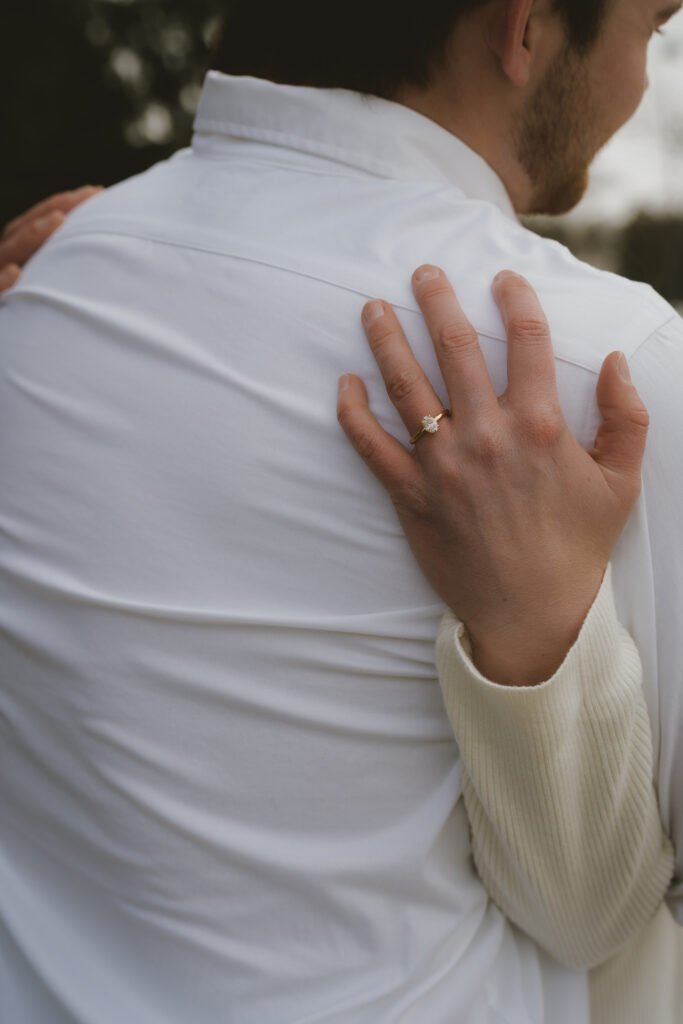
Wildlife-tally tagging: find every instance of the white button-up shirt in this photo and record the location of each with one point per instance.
(228, 788)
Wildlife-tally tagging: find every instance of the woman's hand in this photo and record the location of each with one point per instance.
(25, 234)
(510, 520)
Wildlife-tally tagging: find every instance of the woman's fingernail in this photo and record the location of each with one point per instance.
(45, 224)
(344, 382)
(622, 367)
(372, 312)
(426, 274)
(504, 275)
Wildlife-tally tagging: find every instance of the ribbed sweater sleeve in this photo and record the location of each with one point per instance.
(557, 781)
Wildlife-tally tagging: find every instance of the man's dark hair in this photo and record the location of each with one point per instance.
(370, 46)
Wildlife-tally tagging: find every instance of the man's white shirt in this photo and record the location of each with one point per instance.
(229, 791)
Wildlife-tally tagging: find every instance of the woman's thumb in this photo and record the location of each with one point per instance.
(620, 441)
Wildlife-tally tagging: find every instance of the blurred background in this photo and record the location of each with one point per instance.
(97, 90)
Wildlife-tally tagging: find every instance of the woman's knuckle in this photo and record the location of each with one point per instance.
(489, 444)
(543, 425)
(366, 446)
(403, 383)
(381, 333)
(639, 416)
(530, 329)
(456, 338)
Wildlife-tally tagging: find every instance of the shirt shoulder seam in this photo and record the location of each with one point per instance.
(674, 316)
(193, 246)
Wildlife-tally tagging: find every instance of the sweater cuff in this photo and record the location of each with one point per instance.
(602, 665)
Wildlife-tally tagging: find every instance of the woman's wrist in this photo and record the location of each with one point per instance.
(529, 646)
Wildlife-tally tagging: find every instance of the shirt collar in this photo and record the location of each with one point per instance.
(365, 132)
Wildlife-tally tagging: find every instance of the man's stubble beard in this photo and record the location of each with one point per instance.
(557, 137)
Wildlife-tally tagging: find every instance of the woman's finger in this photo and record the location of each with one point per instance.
(382, 453)
(457, 346)
(406, 382)
(9, 276)
(63, 202)
(530, 357)
(620, 442)
(25, 241)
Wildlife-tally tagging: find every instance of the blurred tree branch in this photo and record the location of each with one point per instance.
(96, 90)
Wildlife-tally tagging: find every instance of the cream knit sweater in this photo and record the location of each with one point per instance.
(566, 834)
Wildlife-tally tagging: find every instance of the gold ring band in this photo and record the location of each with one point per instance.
(430, 425)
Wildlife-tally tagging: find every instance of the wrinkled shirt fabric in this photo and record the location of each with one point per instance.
(229, 791)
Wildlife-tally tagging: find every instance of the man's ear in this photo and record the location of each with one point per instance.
(512, 38)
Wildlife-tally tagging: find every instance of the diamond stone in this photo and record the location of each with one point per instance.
(430, 424)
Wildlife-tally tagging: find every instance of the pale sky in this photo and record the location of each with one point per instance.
(642, 166)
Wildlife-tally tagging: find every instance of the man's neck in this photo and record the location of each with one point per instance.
(471, 125)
